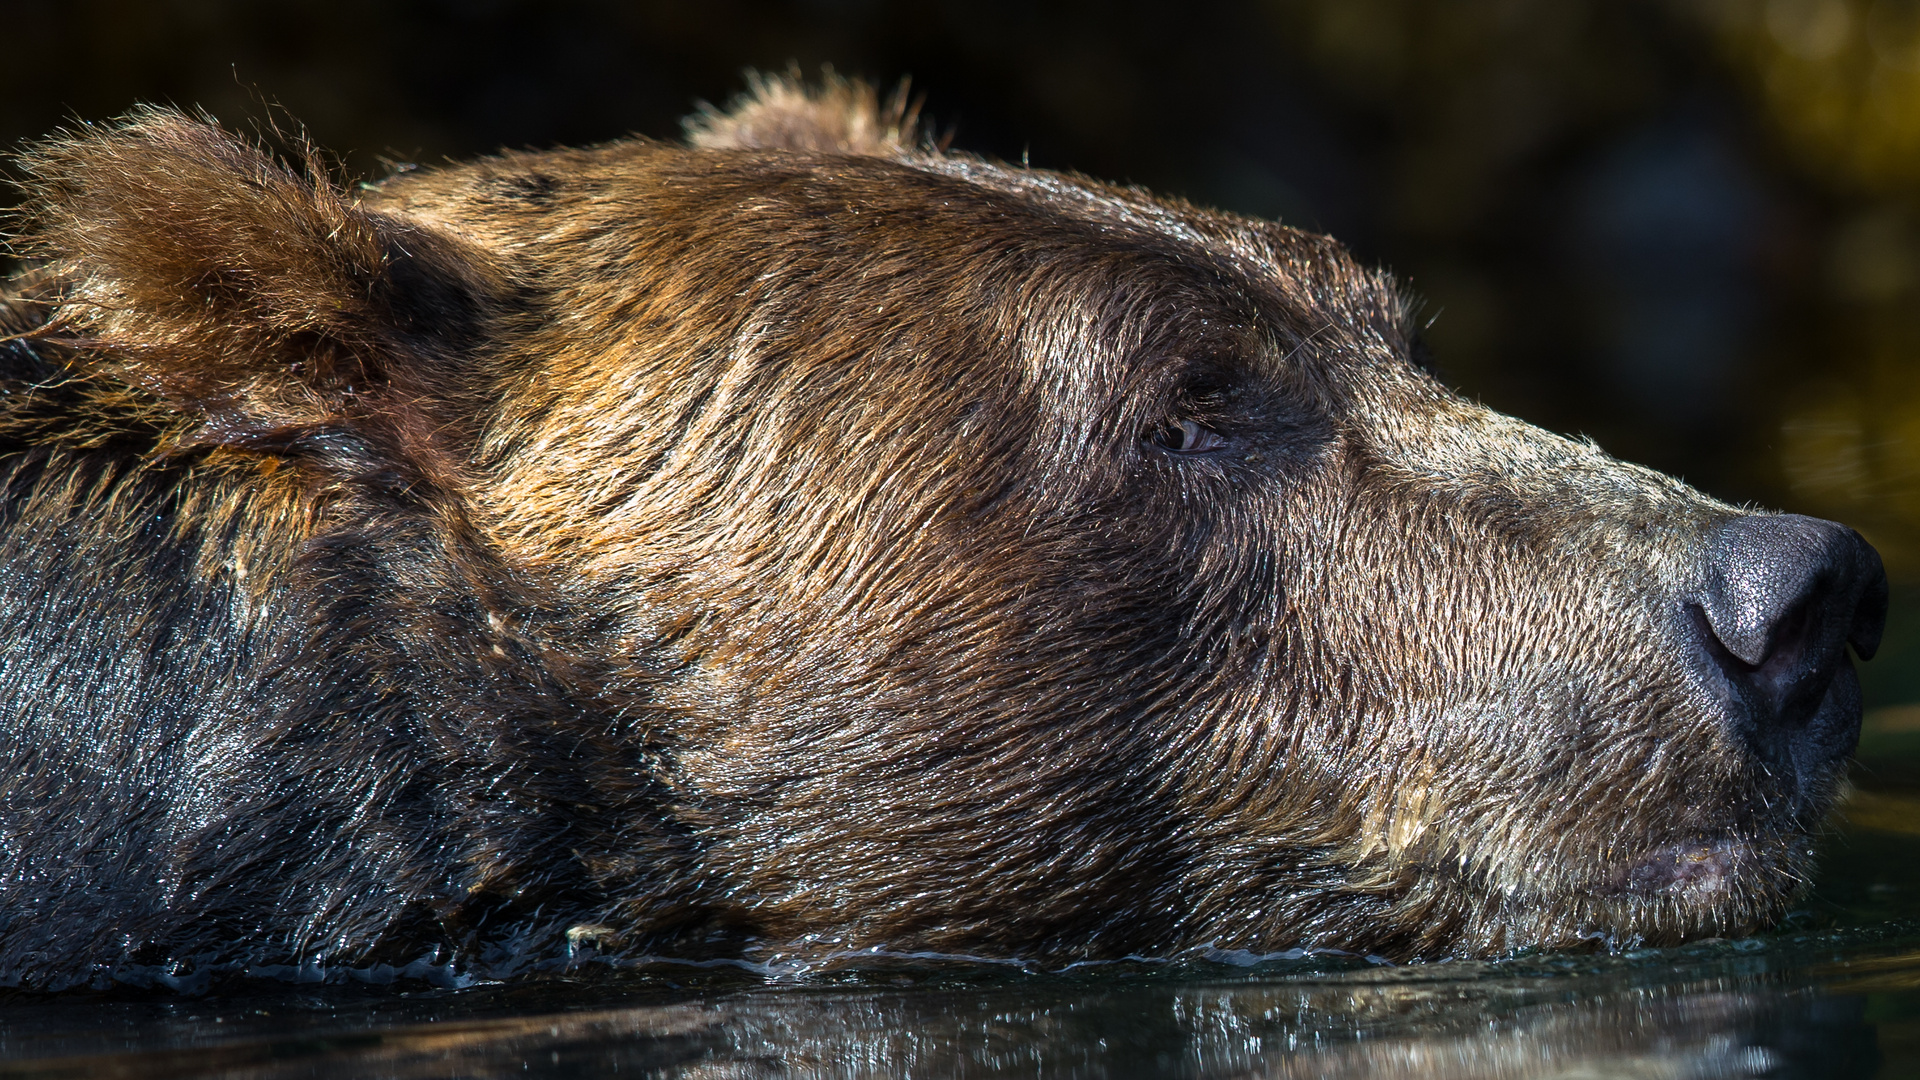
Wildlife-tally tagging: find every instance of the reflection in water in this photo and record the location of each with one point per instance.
(1706, 1030)
(1789, 1007)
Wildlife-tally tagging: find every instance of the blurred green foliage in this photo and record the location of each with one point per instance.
(1839, 83)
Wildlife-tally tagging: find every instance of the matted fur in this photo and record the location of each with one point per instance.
(773, 547)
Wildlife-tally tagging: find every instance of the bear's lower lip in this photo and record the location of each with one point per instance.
(1692, 868)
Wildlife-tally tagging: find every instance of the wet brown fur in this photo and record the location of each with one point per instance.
(761, 547)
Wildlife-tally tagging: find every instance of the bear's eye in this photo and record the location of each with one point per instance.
(1186, 437)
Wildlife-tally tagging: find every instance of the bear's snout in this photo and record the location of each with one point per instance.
(1784, 597)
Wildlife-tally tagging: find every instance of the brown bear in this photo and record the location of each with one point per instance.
(804, 542)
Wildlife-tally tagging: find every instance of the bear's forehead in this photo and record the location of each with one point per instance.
(955, 220)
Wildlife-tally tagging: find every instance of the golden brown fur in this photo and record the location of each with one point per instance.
(783, 545)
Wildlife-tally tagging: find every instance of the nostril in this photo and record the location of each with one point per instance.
(1785, 663)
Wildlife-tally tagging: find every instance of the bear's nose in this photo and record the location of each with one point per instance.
(1784, 596)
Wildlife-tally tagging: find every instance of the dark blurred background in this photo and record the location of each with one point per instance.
(1687, 228)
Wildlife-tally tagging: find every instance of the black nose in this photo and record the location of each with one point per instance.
(1784, 596)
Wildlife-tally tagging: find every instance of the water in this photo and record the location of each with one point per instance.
(1835, 992)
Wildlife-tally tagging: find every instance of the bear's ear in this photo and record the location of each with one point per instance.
(252, 302)
(840, 116)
